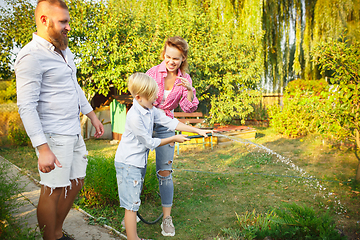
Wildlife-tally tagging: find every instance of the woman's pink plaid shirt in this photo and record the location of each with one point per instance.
(177, 96)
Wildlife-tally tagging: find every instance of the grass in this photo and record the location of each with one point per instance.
(213, 187)
(12, 227)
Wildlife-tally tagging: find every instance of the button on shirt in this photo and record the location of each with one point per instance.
(137, 141)
(178, 94)
(48, 94)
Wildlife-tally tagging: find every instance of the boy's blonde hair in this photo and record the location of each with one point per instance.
(143, 85)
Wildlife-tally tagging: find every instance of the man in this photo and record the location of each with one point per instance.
(50, 101)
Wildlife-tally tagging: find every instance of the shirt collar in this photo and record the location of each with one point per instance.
(43, 42)
(140, 108)
(162, 69)
(47, 44)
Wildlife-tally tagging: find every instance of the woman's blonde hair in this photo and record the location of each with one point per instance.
(182, 46)
(143, 85)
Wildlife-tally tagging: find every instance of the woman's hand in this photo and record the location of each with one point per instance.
(185, 83)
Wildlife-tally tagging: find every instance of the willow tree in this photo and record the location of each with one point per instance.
(310, 22)
(326, 20)
(279, 19)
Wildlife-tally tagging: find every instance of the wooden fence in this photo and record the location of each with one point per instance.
(260, 117)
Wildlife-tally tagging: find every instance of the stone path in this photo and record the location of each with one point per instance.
(76, 224)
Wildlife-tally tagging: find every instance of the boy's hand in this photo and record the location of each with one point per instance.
(180, 138)
(203, 132)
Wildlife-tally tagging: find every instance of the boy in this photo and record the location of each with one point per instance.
(136, 142)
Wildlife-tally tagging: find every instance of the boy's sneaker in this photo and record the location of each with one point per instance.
(123, 222)
(167, 227)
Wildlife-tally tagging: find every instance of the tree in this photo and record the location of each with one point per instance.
(341, 113)
(122, 37)
(16, 27)
(112, 39)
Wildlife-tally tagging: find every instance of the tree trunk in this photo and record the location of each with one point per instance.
(357, 178)
(83, 122)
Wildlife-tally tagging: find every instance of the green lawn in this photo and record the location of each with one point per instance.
(212, 186)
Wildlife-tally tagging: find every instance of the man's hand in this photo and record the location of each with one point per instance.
(47, 159)
(99, 128)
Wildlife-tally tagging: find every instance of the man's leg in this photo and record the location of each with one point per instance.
(46, 211)
(65, 204)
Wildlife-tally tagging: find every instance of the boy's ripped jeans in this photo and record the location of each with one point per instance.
(130, 180)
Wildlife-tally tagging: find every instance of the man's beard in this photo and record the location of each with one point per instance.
(57, 38)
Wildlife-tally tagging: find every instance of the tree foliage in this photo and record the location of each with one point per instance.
(234, 44)
(112, 39)
(310, 22)
(342, 113)
(16, 26)
(332, 110)
(302, 103)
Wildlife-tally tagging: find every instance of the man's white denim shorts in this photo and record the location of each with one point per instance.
(71, 152)
(130, 180)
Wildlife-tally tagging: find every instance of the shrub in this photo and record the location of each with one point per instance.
(100, 185)
(11, 128)
(312, 87)
(340, 59)
(17, 134)
(302, 105)
(7, 92)
(151, 184)
(301, 222)
(290, 221)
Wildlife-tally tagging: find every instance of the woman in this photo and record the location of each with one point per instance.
(175, 88)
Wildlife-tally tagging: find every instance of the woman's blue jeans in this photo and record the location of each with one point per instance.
(164, 159)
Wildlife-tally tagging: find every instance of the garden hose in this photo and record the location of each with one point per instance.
(152, 222)
(199, 136)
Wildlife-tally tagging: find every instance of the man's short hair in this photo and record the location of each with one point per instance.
(143, 85)
(59, 3)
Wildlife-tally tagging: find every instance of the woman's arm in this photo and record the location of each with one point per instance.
(187, 84)
(188, 101)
